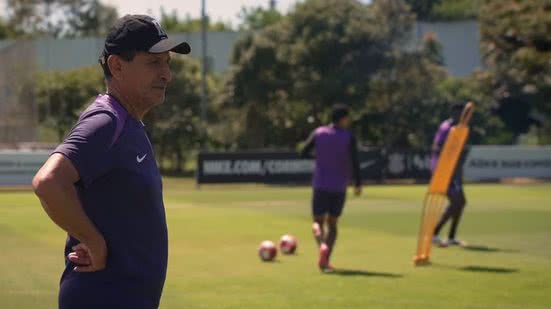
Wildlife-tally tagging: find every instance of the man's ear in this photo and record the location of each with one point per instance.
(115, 65)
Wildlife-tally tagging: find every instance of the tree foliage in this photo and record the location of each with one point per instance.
(403, 110)
(448, 10)
(59, 18)
(89, 18)
(423, 8)
(324, 52)
(172, 22)
(517, 51)
(486, 126)
(61, 96)
(258, 18)
(175, 126)
(5, 30)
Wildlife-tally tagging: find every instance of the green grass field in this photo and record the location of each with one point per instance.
(215, 231)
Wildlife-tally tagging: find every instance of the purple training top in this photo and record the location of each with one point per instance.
(439, 140)
(336, 158)
(120, 190)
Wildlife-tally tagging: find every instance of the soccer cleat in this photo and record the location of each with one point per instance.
(328, 269)
(455, 242)
(439, 242)
(323, 261)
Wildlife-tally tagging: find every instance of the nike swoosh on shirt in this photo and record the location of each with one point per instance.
(140, 159)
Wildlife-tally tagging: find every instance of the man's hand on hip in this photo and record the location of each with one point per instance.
(89, 257)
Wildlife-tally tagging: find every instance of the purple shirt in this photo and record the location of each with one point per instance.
(333, 158)
(439, 140)
(120, 190)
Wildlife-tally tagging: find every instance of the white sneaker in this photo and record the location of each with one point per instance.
(455, 242)
(439, 242)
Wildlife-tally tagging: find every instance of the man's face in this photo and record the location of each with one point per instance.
(344, 122)
(147, 76)
(456, 114)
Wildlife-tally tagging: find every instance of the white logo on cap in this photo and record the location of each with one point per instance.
(158, 26)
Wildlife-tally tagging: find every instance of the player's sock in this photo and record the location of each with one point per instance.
(331, 238)
(318, 235)
(445, 217)
(456, 218)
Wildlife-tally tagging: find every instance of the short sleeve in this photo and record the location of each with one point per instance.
(88, 146)
(442, 134)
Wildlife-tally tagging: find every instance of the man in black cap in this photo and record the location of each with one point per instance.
(102, 185)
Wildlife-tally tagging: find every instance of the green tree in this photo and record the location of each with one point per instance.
(30, 17)
(516, 47)
(61, 96)
(403, 110)
(5, 31)
(486, 127)
(287, 76)
(237, 122)
(447, 10)
(257, 18)
(422, 8)
(89, 18)
(59, 18)
(256, 79)
(175, 125)
(172, 22)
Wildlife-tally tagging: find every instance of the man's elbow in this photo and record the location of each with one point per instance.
(42, 183)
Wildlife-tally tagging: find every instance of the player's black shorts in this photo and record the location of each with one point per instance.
(326, 202)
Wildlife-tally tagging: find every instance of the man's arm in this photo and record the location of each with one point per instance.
(355, 165)
(440, 138)
(308, 147)
(54, 186)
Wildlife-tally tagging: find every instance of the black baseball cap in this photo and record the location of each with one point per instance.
(338, 112)
(140, 33)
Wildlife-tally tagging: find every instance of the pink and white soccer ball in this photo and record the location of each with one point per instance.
(267, 251)
(288, 244)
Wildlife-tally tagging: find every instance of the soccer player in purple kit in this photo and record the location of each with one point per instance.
(456, 195)
(102, 184)
(336, 156)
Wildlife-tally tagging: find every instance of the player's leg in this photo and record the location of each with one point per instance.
(317, 229)
(332, 232)
(445, 217)
(459, 202)
(319, 212)
(337, 200)
(452, 210)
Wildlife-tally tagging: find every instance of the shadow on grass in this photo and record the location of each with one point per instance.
(484, 249)
(486, 269)
(364, 273)
(479, 269)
